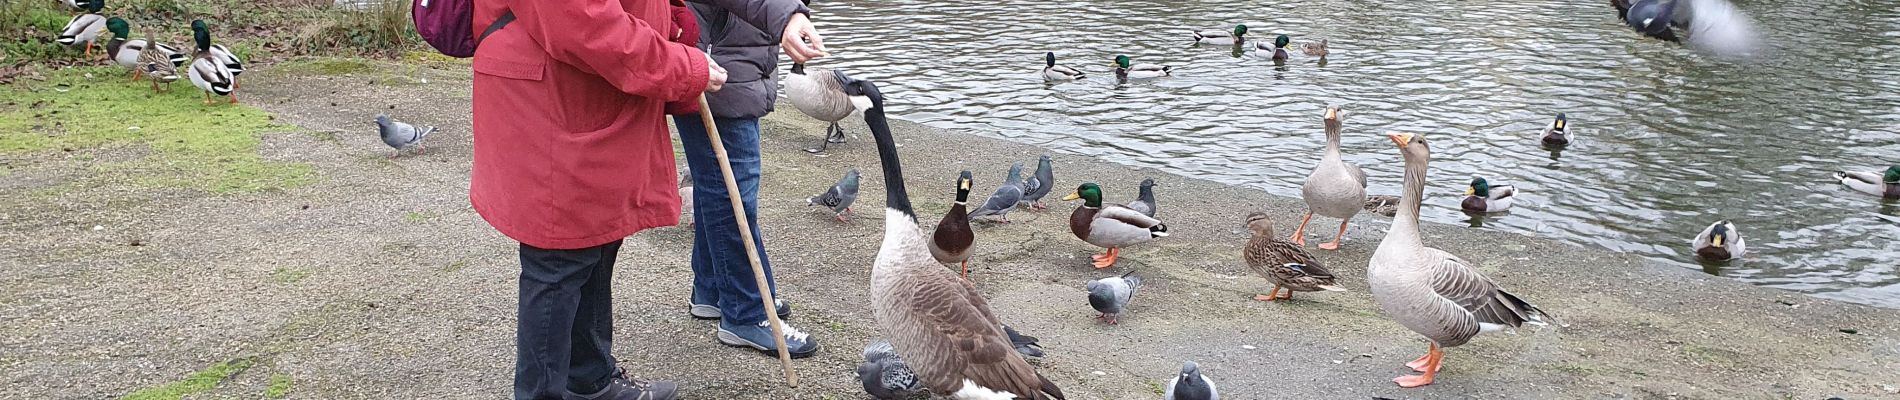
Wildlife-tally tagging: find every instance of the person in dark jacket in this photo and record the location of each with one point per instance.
(744, 37)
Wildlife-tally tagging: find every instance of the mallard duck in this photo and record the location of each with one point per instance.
(83, 29)
(1058, 73)
(161, 65)
(207, 71)
(1381, 204)
(1275, 51)
(1719, 242)
(1111, 226)
(132, 53)
(78, 5)
(1483, 197)
(1145, 200)
(1285, 264)
(1219, 36)
(819, 93)
(1886, 185)
(938, 323)
(1316, 49)
(953, 239)
(1335, 188)
(1125, 69)
(1557, 133)
(1430, 291)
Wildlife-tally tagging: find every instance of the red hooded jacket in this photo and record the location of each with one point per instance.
(571, 144)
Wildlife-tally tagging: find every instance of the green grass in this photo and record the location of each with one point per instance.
(199, 382)
(279, 387)
(193, 145)
(287, 275)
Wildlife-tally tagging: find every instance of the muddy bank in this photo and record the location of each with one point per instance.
(377, 280)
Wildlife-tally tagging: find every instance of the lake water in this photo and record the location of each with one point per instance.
(1668, 140)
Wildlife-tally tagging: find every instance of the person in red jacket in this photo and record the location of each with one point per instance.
(572, 155)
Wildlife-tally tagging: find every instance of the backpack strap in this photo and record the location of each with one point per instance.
(505, 18)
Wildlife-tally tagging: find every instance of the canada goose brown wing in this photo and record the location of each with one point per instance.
(958, 339)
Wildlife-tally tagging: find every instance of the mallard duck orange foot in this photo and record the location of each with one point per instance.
(136, 74)
(1107, 259)
(1274, 294)
(1427, 366)
(1334, 245)
(1299, 234)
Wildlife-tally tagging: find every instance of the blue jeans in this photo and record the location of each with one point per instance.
(721, 274)
(564, 332)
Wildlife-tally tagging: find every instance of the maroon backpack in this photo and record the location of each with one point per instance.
(446, 25)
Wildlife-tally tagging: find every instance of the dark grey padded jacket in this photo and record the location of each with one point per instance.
(743, 36)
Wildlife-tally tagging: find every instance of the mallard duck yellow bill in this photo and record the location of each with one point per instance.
(1072, 196)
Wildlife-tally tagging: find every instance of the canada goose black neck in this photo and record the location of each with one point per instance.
(896, 197)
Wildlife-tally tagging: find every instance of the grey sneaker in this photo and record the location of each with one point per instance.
(759, 337)
(708, 311)
(623, 388)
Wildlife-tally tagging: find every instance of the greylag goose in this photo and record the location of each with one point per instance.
(1429, 291)
(820, 94)
(1335, 188)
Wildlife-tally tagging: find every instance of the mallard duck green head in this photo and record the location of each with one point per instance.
(1122, 61)
(1479, 187)
(963, 187)
(1240, 30)
(1561, 122)
(119, 28)
(1892, 175)
(1049, 59)
(1090, 193)
(201, 34)
(1718, 233)
(1282, 41)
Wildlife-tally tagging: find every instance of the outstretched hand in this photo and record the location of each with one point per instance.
(801, 40)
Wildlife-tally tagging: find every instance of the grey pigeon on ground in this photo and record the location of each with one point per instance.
(838, 199)
(1025, 345)
(1109, 295)
(1191, 385)
(1006, 196)
(884, 374)
(400, 135)
(1145, 203)
(1039, 185)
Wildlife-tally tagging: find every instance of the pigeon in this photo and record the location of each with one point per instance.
(1040, 184)
(1005, 197)
(1714, 27)
(1025, 345)
(1145, 203)
(1191, 385)
(400, 135)
(840, 196)
(1109, 295)
(884, 374)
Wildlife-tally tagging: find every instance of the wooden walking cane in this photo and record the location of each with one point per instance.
(751, 244)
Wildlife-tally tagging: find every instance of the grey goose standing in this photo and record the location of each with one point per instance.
(820, 94)
(939, 324)
(1430, 291)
